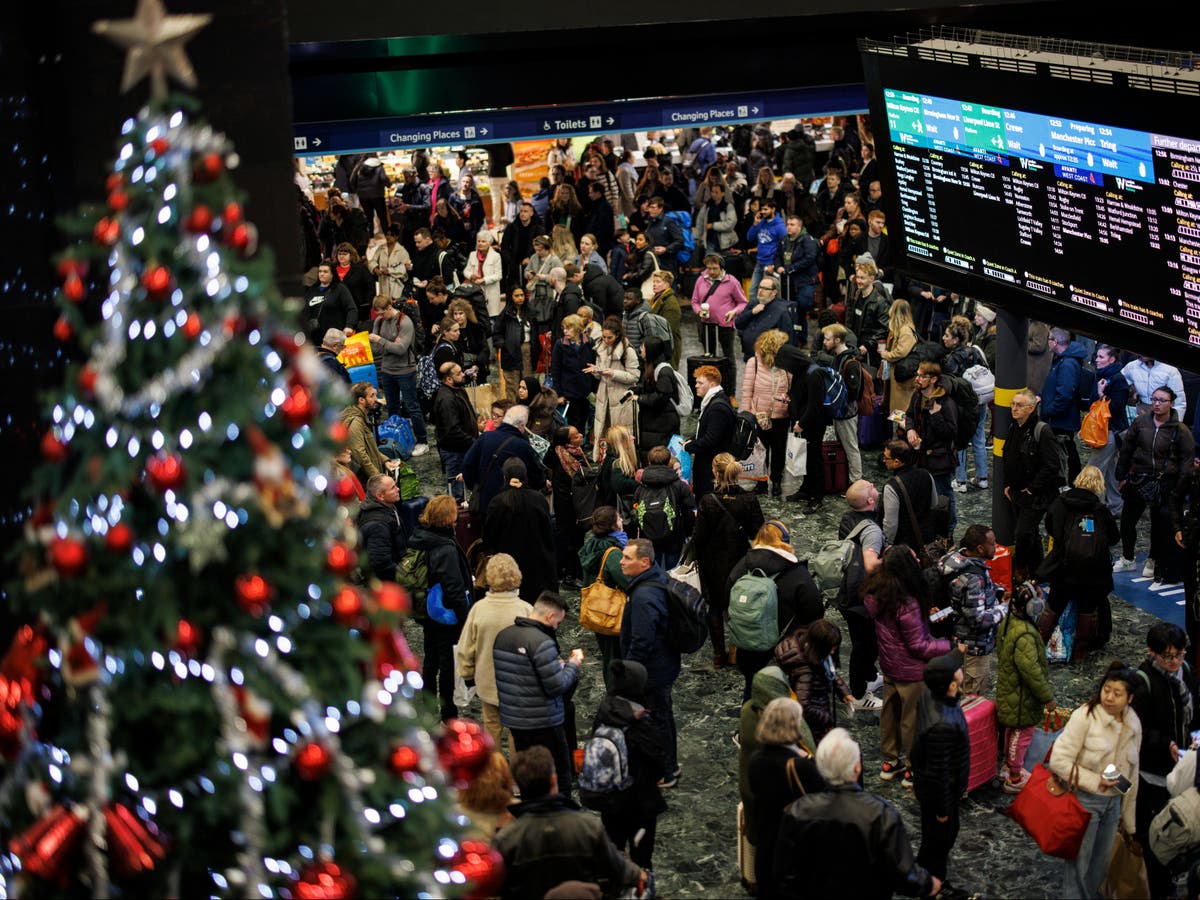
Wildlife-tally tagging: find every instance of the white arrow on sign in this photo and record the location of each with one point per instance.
(754, 110)
(611, 120)
(316, 142)
(483, 131)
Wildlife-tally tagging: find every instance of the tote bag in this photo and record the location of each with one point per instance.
(1093, 431)
(1051, 814)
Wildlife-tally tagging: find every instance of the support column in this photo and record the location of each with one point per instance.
(1011, 339)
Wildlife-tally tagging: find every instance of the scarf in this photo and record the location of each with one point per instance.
(712, 392)
(1185, 696)
(621, 536)
(571, 459)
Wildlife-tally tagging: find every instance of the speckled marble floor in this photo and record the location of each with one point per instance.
(696, 854)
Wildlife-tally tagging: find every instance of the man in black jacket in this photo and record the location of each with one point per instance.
(940, 760)
(517, 242)
(381, 532)
(329, 305)
(484, 463)
(714, 430)
(552, 840)
(664, 235)
(899, 514)
(456, 423)
(809, 418)
(845, 842)
(603, 292)
(1034, 470)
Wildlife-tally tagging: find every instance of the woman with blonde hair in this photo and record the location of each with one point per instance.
(473, 337)
(1078, 567)
(587, 255)
(727, 519)
(901, 340)
(618, 469)
(766, 390)
(487, 798)
(572, 365)
(618, 370)
(562, 242)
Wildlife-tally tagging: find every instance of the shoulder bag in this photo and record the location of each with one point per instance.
(1050, 812)
(601, 607)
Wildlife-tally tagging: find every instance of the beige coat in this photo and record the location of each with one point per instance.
(1093, 741)
(361, 441)
(609, 408)
(486, 619)
(900, 392)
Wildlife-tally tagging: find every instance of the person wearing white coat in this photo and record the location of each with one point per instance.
(617, 368)
(391, 264)
(484, 269)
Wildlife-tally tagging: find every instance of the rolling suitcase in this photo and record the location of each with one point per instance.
(981, 731)
(874, 429)
(837, 470)
(745, 853)
(468, 529)
(410, 511)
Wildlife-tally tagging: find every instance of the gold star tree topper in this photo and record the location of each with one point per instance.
(153, 42)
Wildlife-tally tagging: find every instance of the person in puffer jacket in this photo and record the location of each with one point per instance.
(976, 602)
(1023, 691)
(532, 681)
(667, 531)
(808, 659)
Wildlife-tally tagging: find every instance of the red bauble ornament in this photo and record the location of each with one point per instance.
(157, 282)
(232, 214)
(63, 331)
(345, 490)
(118, 201)
(347, 605)
(119, 538)
(199, 220)
(106, 232)
(113, 182)
(404, 759)
(392, 598)
(187, 638)
(298, 407)
(341, 559)
(159, 146)
(165, 471)
(53, 449)
(339, 432)
(313, 761)
(483, 867)
(134, 845)
(243, 237)
(254, 593)
(68, 556)
(87, 380)
(208, 168)
(191, 326)
(324, 881)
(392, 653)
(463, 749)
(47, 845)
(12, 719)
(74, 289)
(22, 662)
(68, 267)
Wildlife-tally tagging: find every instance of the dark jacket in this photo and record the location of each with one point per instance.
(714, 435)
(920, 488)
(773, 791)
(1060, 392)
(592, 553)
(551, 841)
(807, 393)
(1031, 460)
(614, 487)
(604, 292)
(800, 602)
(361, 284)
(845, 842)
(455, 420)
(1055, 568)
(818, 690)
(726, 523)
(483, 463)
(682, 499)
(775, 315)
(447, 567)
(973, 596)
(657, 417)
(332, 365)
(1164, 715)
(644, 628)
(331, 307)
(517, 241)
(665, 232)
(1117, 392)
(941, 754)
(1149, 450)
(382, 535)
(1185, 508)
(517, 522)
(568, 304)
(867, 317)
(509, 336)
(937, 430)
(531, 676)
(567, 362)
(647, 757)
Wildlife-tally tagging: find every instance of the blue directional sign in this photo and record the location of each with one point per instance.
(531, 123)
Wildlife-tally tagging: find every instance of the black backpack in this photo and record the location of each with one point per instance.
(657, 517)
(687, 615)
(1086, 386)
(1083, 549)
(745, 433)
(969, 410)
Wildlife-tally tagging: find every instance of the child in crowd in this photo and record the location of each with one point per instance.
(1023, 692)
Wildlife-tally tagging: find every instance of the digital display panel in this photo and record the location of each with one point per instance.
(1079, 211)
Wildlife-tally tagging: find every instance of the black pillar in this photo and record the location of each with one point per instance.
(1011, 337)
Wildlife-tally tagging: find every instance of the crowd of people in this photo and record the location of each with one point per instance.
(586, 472)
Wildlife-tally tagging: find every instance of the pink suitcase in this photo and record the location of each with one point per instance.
(981, 728)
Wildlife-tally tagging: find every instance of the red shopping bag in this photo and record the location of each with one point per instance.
(1051, 814)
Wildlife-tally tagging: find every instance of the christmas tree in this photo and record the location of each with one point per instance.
(201, 701)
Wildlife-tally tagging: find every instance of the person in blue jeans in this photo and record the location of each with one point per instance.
(392, 337)
(768, 232)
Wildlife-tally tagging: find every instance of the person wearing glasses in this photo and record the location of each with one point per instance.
(1034, 470)
(1155, 450)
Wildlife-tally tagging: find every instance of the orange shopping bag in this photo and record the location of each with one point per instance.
(1094, 430)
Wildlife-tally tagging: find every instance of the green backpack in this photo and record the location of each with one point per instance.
(754, 612)
(412, 574)
(408, 481)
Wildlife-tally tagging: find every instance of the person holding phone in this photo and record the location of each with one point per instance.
(1169, 714)
(1103, 732)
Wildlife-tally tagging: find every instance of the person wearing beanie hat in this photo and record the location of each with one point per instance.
(985, 335)
(630, 816)
(940, 760)
(986, 313)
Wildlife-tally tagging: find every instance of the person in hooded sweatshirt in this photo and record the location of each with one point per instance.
(1060, 393)
(665, 527)
(940, 760)
(630, 816)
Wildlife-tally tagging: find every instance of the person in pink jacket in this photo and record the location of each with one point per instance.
(717, 299)
(894, 595)
(766, 390)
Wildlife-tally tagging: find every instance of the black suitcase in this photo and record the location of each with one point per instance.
(723, 364)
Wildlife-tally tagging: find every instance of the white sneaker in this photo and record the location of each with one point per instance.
(875, 686)
(869, 702)
(1148, 569)
(420, 450)
(980, 484)
(1124, 565)
(958, 487)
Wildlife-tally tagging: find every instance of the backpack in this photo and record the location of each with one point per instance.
(654, 325)
(923, 351)
(836, 398)
(831, 562)
(866, 386)
(1176, 828)
(684, 218)
(980, 377)
(745, 433)
(1085, 387)
(689, 158)
(684, 400)
(1083, 549)
(754, 612)
(412, 574)
(963, 394)
(605, 770)
(687, 616)
(656, 513)
(1060, 452)
(427, 380)
(420, 337)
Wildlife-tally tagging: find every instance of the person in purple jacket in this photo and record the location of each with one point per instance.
(717, 299)
(895, 595)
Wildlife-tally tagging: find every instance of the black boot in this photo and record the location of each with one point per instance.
(776, 490)
(1085, 635)
(1045, 624)
(716, 633)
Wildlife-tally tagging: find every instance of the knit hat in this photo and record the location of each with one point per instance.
(628, 678)
(865, 259)
(939, 671)
(989, 315)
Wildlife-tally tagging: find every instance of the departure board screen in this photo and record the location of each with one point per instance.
(1084, 213)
